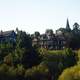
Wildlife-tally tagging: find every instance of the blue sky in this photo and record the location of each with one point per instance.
(38, 15)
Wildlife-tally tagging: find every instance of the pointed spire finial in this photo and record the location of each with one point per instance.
(68, 26)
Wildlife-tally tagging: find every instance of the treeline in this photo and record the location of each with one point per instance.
(21, 61)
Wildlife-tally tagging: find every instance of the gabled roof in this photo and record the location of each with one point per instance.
(6, 33)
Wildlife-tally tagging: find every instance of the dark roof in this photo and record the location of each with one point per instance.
(6, 33)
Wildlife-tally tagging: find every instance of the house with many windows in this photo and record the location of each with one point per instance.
(49, 40)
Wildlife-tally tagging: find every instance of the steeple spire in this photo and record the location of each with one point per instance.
(68, 26)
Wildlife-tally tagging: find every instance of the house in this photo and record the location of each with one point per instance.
(7, 36)
(49, 40)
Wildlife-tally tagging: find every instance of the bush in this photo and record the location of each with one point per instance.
(39, 72)
(72, 73)
(8, 59)
(69, 58)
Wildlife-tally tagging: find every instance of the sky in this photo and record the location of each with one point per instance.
(38, 15)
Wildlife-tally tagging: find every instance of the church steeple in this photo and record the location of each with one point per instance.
(68, 26)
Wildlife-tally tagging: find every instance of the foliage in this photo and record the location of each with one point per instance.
(23, 62)
(78, 58)
(8, 59)
(72, 73)
(5, 49)
(37, 72)
(23, 40)
(57, 61)
(24, 52)
(70, 58)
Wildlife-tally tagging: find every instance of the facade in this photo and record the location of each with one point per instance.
(49, 41)
(7, 36)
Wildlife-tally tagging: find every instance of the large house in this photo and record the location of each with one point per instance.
(49, 40)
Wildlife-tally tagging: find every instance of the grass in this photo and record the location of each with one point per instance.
(55, 51)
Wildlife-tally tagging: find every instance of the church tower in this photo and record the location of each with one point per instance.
(68, 26)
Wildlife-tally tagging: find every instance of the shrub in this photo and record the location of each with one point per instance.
(37, 72)
(72, 73)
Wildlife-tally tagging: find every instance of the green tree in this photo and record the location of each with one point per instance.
(69, 58)
(29, 56)
(23, 40)
(75, 43)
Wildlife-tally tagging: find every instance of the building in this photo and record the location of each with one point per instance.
(7, 36)
(49, 40)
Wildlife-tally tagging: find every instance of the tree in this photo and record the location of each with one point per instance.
(75, 43)
(23, 40)
(28, 56)
(37, 34)
(76, 27)
(69, 58)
